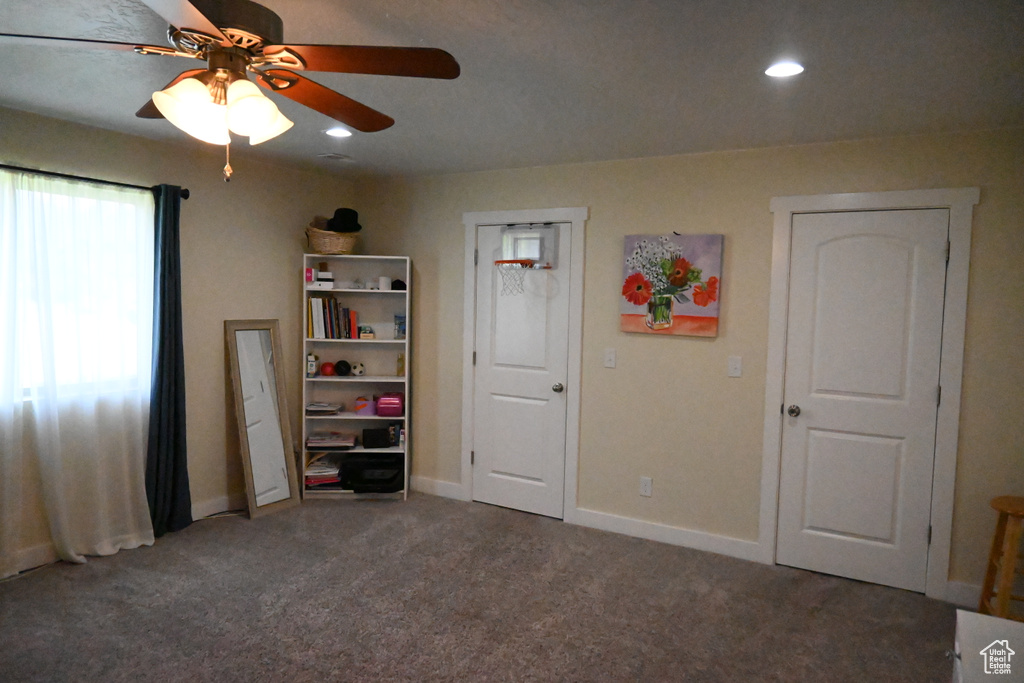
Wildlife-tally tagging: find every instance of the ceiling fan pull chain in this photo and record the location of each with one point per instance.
(227, 164)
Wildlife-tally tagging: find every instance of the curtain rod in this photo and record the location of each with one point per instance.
(68, 176)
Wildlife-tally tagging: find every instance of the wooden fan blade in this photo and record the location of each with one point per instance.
(421, 62)
(324, 100)
(149, 110)
(182, 14)
(49, 41)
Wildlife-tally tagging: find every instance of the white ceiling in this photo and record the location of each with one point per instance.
(553, 81)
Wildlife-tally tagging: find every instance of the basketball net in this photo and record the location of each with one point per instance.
(513, 275)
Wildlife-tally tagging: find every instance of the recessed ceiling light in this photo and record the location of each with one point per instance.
(339, 132)
(784, 69)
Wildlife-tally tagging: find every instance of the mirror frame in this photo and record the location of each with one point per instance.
(230, 338)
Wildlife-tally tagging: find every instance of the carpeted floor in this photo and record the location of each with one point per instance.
(438, 590)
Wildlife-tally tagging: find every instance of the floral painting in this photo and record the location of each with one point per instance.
(671, 284)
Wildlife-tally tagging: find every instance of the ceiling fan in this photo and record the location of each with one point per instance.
(238, 37)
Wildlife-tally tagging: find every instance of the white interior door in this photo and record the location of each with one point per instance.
(520, 382)
(262, 426)
(862, 368)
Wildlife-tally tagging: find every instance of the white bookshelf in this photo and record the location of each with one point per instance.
(356, 287)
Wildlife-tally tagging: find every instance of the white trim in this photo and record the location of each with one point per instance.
(577, 218)
(963, 594)
(687, 538)
(437, 487)
(960, 204)
(32, 557)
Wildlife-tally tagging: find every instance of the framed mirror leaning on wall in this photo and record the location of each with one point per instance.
(271, 481)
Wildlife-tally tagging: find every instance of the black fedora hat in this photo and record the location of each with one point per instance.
(345, 220)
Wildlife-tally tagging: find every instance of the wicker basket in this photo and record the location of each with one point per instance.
(328, 242)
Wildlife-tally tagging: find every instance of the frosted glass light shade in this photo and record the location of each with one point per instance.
(189, 106)
(249, 112)
(278, 126)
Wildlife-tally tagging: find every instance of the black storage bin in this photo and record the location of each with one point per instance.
(373, 473)
(376, 438)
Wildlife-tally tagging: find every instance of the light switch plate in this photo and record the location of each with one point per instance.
(735, 366)
(609, 358)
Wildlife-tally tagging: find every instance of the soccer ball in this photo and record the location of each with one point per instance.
(358, 369)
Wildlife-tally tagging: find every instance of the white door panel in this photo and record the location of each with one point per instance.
(862, 365)
(852, 471)
(522, 352)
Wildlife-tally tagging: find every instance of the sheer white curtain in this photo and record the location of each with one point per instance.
(76, 321)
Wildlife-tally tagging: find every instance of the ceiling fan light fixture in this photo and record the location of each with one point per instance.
(189, 106)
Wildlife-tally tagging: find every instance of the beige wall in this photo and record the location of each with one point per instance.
(668, 411)
(241, 249)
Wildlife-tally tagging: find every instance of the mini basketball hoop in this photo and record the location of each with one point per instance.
(513, 272)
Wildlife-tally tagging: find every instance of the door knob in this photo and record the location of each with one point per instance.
(557, 388)
(793, 411)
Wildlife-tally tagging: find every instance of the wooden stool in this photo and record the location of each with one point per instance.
(1002, 561)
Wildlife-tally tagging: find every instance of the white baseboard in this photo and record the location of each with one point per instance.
(206, 508)
(698, 540)
(963, 594)
(437, 487)
(32, 557)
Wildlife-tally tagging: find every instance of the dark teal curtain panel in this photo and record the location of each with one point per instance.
(170, 503)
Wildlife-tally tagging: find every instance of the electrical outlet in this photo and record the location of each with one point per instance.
(609, 358)
(735, 366)
(646, 486)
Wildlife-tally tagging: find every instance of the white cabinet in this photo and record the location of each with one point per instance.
(986, 648)
(357, 318)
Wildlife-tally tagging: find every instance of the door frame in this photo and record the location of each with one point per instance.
(960, 203)
(577, 218)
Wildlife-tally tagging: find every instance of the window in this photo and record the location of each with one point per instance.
(76, 288)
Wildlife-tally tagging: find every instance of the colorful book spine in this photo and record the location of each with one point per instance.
(328, 319)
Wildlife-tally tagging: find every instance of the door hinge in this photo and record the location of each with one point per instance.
(476, 257)
(929, 534)
(782, 409)
(474, 358)
(472, 457)
(949, 247)
(938, 399)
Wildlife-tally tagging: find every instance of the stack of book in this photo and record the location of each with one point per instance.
(323, 408)
(332, 441)
(322, 472)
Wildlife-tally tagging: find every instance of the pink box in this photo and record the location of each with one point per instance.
(391, 404)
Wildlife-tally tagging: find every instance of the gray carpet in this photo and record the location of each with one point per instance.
(438, 590)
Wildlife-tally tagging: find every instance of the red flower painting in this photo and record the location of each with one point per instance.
(637, 289)
(670, 284)
(704, 295)
(680, 274)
